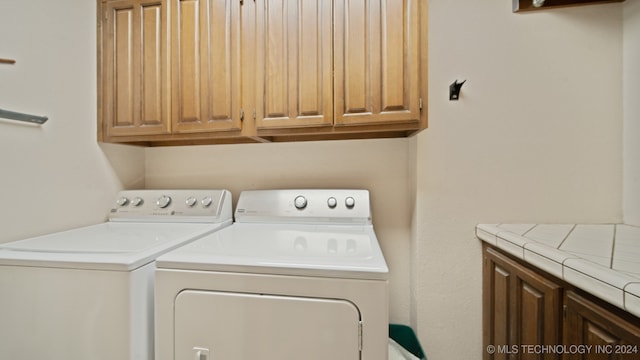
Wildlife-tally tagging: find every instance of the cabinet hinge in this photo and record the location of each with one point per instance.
(241, 114)
(360, 335)
(420, 103)
(564, 311)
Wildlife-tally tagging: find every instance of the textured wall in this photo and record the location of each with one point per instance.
(535, 137)
(55, 176)
(631, 89)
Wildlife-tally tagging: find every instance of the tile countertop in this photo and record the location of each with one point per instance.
(602, 259)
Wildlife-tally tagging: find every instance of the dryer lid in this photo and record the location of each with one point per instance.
(307, 250)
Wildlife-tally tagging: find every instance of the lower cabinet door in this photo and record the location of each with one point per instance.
(604, 334)
(520, 308)
(241, 326)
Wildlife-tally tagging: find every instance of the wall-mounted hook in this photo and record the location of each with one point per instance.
(454, 90)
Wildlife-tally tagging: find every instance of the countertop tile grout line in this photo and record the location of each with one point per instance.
(567, 236)
(613, 245)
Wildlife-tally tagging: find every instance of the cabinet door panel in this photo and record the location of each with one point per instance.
(294, 60)
(135, 99)
(124, 65)
(520, 306)
(394, 72)
(206, 65)
(276, 53)
(310, 40)
(590, 324)
(188, 60)
(531, 314)
(152, 86)
(501, 290)
(357, 47)
(376, 61)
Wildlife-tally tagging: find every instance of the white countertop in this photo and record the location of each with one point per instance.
(602, 259)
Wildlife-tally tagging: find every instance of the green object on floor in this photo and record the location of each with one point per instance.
(405, 336)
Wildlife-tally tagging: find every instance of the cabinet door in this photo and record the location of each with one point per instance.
(520, 307)
(294, 86)
(376, 61)
(206, 65)
(135, 98)
(611, 336)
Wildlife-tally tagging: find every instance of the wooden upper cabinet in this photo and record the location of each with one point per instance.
(294, 86)
(376, 61)
(135, 98)
(205, 37)
(220, 71)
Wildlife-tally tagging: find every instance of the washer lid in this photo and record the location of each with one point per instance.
(106, 246)
(343, 251)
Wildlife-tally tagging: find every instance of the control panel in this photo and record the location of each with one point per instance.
(172, 206)
(304, 205)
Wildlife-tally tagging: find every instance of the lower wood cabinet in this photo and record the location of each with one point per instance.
(520, 307)
(606, 335)
(529, 314)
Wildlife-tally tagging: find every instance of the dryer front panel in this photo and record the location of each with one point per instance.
(211, 325)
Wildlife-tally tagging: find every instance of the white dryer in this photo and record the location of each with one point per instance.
(299, 275)
(87, 293)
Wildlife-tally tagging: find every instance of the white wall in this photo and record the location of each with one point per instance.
(382, 166)
(631, 89)
(54, 176)
(535, 137)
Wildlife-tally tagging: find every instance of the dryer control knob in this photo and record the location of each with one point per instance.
(137, 201)
(300, 202)
(163, 201)
(332, 202)
(191, 201)
(350, 202)
(123, 201)
(206, 202)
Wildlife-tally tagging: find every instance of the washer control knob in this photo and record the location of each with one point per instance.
(350, 202)
(206, 202)
(300, 202)
(163, 201)
(123, 201)
(191, 201)
(332, 202)
(137, 201)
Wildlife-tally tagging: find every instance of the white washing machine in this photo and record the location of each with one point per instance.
(299, 275)
(87, 293)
